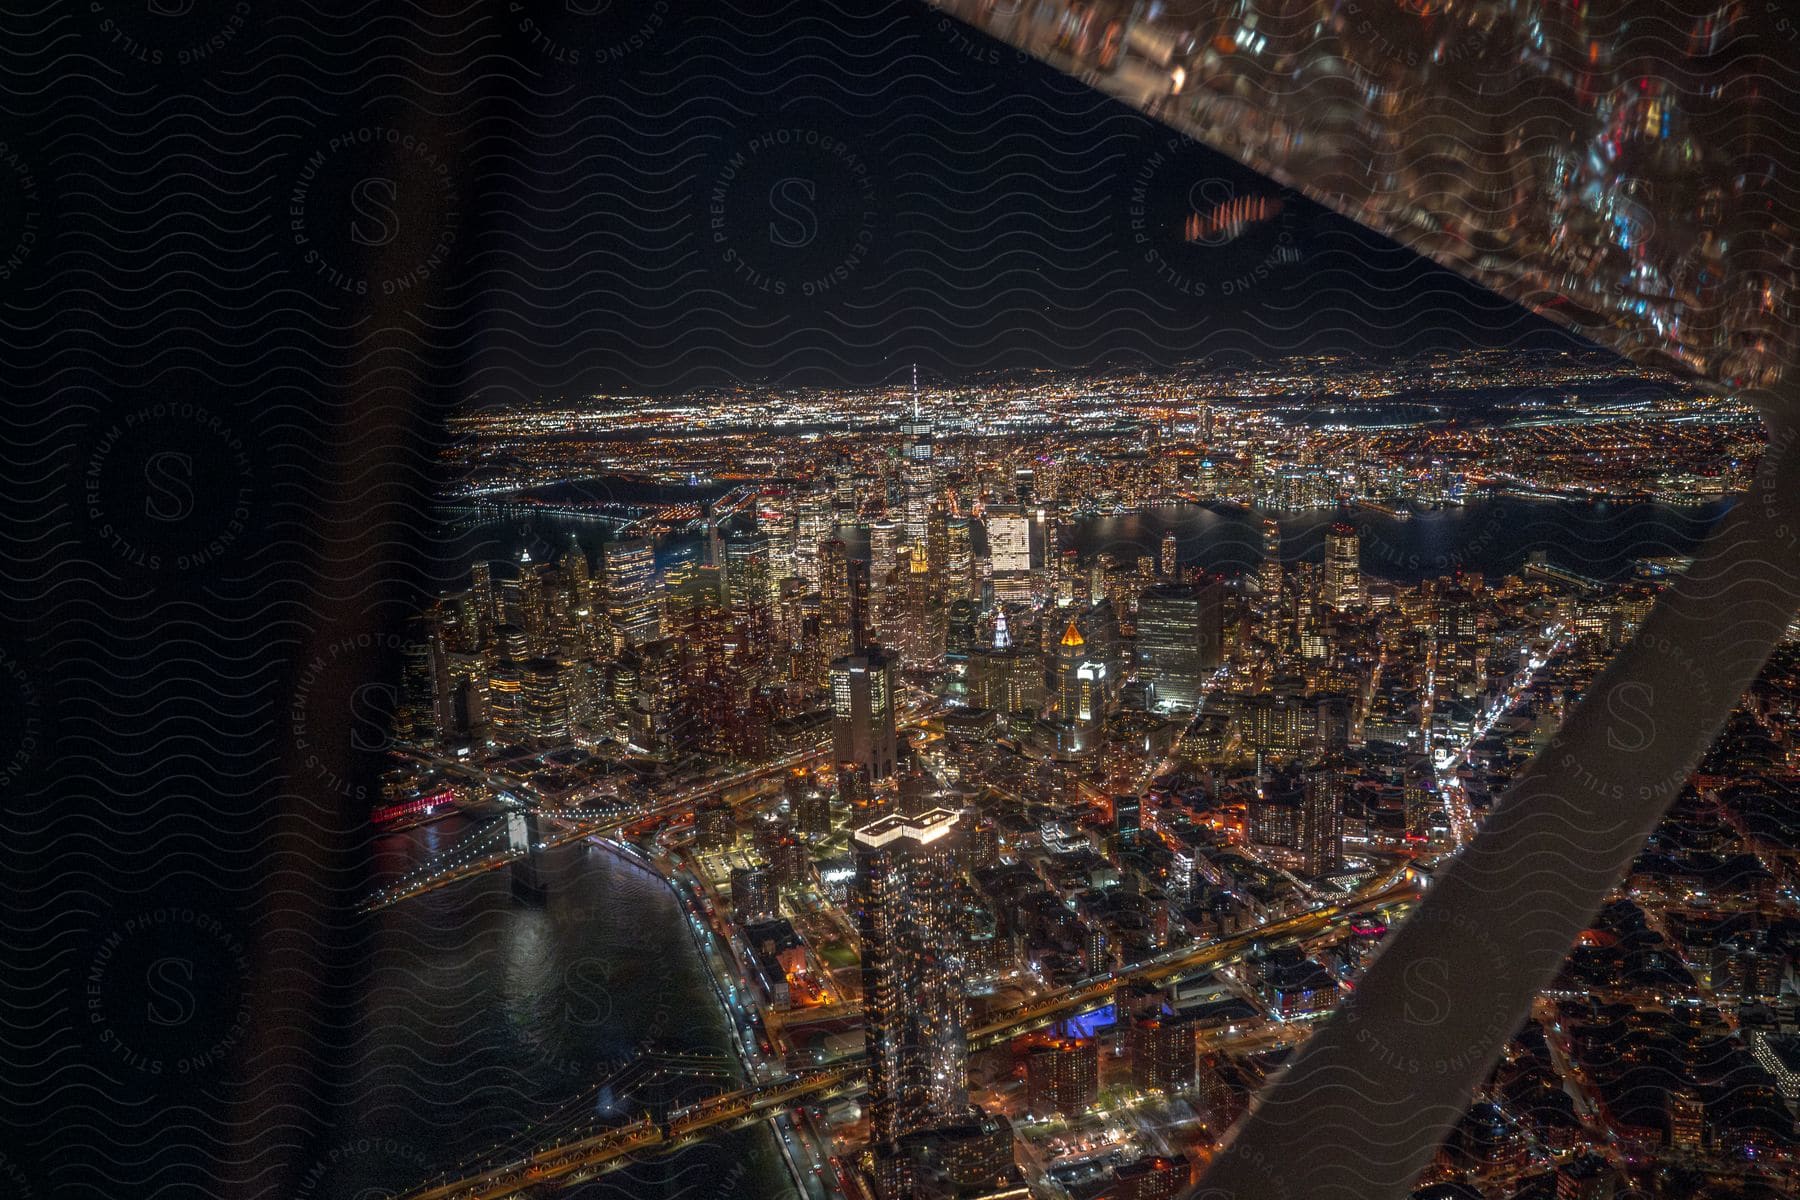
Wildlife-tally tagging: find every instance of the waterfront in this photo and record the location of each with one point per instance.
(1490, 535)
(485, 1014)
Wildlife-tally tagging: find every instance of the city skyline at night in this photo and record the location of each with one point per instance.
(963, 793)
(900, 600)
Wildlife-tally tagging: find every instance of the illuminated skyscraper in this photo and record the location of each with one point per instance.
(1009, 681)
(917, 468)
(912, 998)
(1006, 678)
(1083, 691)
(1321, 834)
(1071, 652)
(544, 702)
(531, 601)
(1009, 540)
(481, 585)
(505, 705)
(1268, 575)
(885, 538)
(859, 605)
(748, 579)
(812, 525)
(1343, 567)
(844, 600)
(1180, 633)
(862, 712)
(959, 558)
(633, 602)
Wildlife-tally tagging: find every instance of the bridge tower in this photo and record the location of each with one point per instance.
(527, 869)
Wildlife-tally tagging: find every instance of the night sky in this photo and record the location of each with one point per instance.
(824, 196)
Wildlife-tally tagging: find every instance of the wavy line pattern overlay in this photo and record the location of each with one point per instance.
(253, 259)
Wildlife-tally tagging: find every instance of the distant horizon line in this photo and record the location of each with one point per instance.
(1600, 355)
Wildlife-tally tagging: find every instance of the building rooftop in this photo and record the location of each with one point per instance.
(927, 826)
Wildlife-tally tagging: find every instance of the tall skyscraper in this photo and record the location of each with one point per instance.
(1170, 556)
(884, 545)
(1180, 634)
(1009, 540)
(1080, 679)
(1006, 678)
(917, 467)
(862, 712)
(845, 613)
(958, 567)
(1321, 840)
(544, 701)
(1071, 651)
(1268, 575)
(505, 706)
(912, 996)
(812, 525)
(859, 603)
(633, 602)
(749, 582)
(1343, 567)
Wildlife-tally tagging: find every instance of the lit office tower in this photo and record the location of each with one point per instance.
(859, 605)
(1071, 651)
(1009, 540)
(1268, 575)
(917, 467)
(1009, 681)
(1180, 633)
(812, 525)
(533, 615)
(581, 616)
(834, 602)
(1321, 840)
(959, 558)
(544, 702)
(508, 605)
(633, 606)
(937, 551)
(1128, 814)
(748, 574)
(1343, 567)
(1005, 678)
(843, 598)
(884, 546)
(1170, 556)
(481, 586)
(1080, 680)
(505, 709)
(862, 712)
(912, 999)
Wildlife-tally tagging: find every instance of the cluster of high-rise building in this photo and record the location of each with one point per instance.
(1023, 761)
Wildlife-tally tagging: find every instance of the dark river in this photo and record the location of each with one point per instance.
(1491, 536)
(491, 1020)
